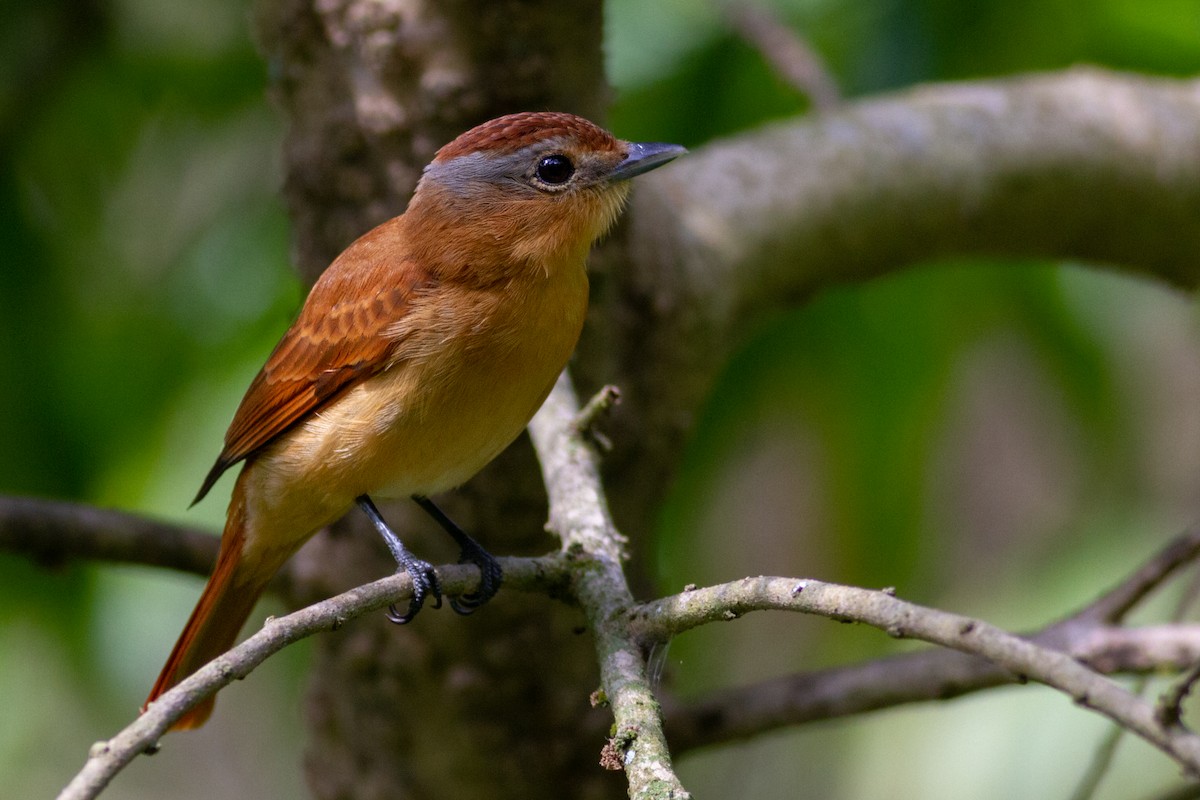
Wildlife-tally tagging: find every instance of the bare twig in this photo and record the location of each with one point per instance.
(926, 676)
(586, 422)
(1086, 634)
(594, 553)
(600, 404)
(579, 515)
(54, 532)
(108, 758)
(1112, 607)
(791, 56)
(1114, 604)
(669, 616)
(1169, 710)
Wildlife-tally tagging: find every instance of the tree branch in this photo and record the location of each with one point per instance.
(1113, 605)
(579, 516)
(593, 552)
(54, 533)
(591, 571)
(930, 675)
(1090, 635)
(1048, 166)
(1085, 164)
(106, 759)
(661, 619)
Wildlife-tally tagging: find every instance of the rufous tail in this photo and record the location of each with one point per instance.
(228, 598)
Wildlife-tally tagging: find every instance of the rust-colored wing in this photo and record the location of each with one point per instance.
(340, 338)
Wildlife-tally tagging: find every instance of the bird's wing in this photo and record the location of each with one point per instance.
(341, 337)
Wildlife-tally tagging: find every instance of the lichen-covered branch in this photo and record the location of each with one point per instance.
(579, 516)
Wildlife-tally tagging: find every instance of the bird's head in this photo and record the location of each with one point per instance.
(530, 188)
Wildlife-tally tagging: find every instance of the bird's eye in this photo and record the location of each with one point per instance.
(555, 170)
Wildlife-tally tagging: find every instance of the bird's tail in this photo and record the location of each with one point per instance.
(228, 598)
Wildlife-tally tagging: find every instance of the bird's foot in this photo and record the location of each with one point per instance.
(490, 578)
(424, 577)
(425, 584)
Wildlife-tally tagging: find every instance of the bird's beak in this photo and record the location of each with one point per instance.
(643, 157)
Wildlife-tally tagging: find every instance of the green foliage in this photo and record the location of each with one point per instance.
(144, 247)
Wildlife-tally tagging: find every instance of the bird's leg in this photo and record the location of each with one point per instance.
(490, 573)
(425, 580)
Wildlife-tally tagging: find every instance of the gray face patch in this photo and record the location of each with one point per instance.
(514, 172)
(468, 174)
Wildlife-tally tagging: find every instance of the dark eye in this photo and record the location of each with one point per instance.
(555, 170)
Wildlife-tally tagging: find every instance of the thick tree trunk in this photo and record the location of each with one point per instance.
(489, 705)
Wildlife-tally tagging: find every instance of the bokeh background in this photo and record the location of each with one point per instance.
(1001, 439)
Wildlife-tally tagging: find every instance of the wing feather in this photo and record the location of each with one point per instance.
(341, 337)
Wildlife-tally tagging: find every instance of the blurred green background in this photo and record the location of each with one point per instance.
(999, 439)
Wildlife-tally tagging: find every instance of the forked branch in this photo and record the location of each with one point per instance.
(589, 570)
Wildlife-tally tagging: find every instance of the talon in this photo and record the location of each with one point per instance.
(490, 573)
(425, 584)
(424, 577)
(467, 603)
(490, 578)
(395, 616)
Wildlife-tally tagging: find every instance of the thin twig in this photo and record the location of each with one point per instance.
(940, 674)
(1169, 710)
(106, 759)
(585, 422)
(601, 403)
(667, 617)
(793, 58)
(1112, 607)
(41, 527)
(932, 675)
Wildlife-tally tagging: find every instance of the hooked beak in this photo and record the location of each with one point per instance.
(643, 157)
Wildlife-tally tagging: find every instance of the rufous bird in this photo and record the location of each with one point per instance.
(421, 352)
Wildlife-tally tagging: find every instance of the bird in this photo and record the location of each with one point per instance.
(421, 352)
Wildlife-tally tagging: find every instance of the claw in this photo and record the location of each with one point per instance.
(490, 573)
(425, 584)
(424, 578)
(490, 578)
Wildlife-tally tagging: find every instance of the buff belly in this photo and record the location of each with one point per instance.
(420, 427)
